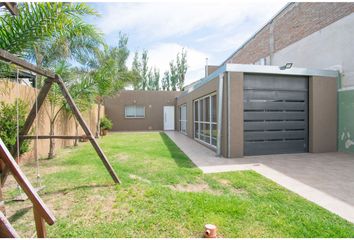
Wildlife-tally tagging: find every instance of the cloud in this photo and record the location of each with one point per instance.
(161, 20)
(210, 29)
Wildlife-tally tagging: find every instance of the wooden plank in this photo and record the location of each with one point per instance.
(12, 7)
(6, 229)
(25, 184)
(40, 224)
(54, 137)
(8, 57)
(87, 131)
(29, 121)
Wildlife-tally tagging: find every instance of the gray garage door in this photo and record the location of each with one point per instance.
(275, 114)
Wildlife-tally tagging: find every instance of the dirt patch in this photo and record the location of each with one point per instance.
(224, 182)
(135, 177)
(232, 189)
(122, 157)
(197, 187)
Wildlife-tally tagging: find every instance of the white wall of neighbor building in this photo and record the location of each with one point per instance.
(330, 48)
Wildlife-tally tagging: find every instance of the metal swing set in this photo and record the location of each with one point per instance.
(42, 214)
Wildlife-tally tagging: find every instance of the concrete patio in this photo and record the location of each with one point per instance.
(326, 179)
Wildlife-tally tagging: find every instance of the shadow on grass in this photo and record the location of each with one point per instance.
(19, 214)
(176, 153)
(82, 187)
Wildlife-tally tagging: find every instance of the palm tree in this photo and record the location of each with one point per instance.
(50, 34)
(109, 73)
(37, 22)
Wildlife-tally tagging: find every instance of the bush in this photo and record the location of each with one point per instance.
(106, 124)
(8, 124)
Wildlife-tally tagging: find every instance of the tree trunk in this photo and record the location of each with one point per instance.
(51, 141)
(98, 120)
(77, 133)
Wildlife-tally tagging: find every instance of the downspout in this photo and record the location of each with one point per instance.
(220, 93)
(228, 116)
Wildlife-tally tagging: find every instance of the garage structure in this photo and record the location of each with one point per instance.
(241, 110)
(275, 114)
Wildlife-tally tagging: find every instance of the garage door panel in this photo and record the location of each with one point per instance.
(274, 125)
(273, 135)
(275, 115)
(266, 95)
(273, 147)
(275, 82)
(274, 105)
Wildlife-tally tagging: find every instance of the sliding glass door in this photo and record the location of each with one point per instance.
(205, 119)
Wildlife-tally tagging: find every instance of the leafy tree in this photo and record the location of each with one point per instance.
(37, 22)
(82, 91)
(56, 103)
(144, 69)
(173, 76)
(156, 77)
(166, 81)
(8, 123)
(182, 68)
(136, 69)
(109, 73)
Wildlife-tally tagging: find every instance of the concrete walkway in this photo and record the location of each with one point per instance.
(326, 179)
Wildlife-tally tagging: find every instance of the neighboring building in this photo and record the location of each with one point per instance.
(140, 110)
(246, 107)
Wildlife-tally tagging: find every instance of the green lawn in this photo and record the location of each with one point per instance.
(164, 195)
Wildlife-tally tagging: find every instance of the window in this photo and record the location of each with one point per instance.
(134, 111)
(183, 118)
(205, 119)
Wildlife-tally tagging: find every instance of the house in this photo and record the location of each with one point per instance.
(254, 103)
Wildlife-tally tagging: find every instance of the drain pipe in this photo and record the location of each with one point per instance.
(219, 119)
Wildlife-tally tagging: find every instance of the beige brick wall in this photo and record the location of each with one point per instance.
(295, 22)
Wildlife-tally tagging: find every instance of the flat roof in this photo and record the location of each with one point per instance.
(261, 69)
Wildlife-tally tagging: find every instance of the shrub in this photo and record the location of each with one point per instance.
(106, 123)
(8, 124)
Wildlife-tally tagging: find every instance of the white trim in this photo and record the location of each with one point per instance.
(249, 68)
(346, 89)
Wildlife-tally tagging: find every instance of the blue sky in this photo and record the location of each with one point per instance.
(210, 30)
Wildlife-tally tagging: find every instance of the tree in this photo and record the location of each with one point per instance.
(136, 69)
(37, 22)
(156, 82)
(82, 91)
(144, 69)
(173, 76)
(182, 68)
(166, 81)
(109, 73)
(56, 103)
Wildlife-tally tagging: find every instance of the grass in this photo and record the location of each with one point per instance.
(164, 195)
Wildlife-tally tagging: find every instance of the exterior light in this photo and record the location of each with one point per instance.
(286, 66)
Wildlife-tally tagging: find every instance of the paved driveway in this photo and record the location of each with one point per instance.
(326, 178)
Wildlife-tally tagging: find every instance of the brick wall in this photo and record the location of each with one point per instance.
(295, 22)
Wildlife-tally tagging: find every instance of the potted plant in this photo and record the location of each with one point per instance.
(105, 125)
